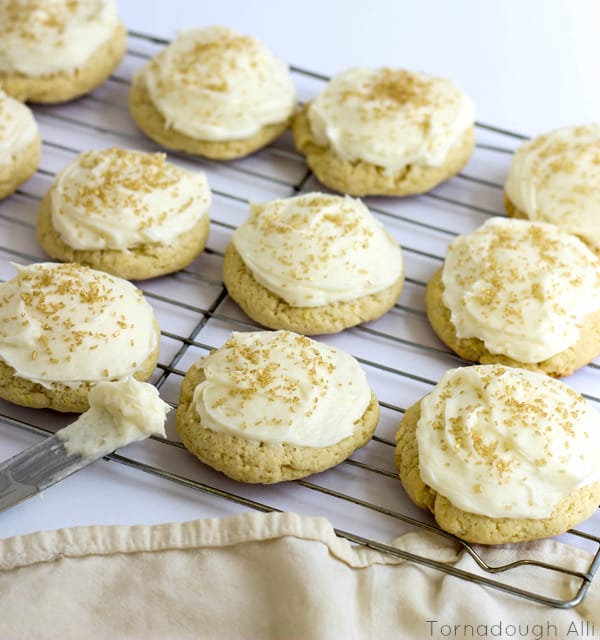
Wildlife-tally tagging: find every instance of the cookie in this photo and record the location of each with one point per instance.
(20, 144)
(554, 178)
(501, 454)
(126, 212)
(385, 132)
(313, 264)
(270, 406)
(520, 293)
(65, 327)
(215, 93)
(56, 51)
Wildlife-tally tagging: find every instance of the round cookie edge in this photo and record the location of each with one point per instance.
(139, 263)
(257, 462)
(268, 309)
(152, 123)
(360, 178)
(576, 507)
(63, 86)
(559, 365)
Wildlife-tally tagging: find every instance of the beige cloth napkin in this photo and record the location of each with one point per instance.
(266, 576)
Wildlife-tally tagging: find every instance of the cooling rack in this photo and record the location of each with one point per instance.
(402, 358)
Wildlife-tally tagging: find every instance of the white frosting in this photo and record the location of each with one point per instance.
(281, 387)
(120, 413)
(315, 249)
(68, 323)
(390, 117)
(503, 442)
(18, 128)
(522, 287)
(120, 199)
(215, 84)
(41, 37)
(555, 178)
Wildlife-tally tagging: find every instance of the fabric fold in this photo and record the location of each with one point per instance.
(276, 575)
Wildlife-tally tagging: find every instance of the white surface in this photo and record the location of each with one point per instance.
(527, 68)
(529, 65)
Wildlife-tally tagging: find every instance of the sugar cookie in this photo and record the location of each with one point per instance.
(59, 50)
(520, 293)
(126, 212)
(554, 178)
(386, 132)
(215, 93)
(64, 327)
(501, 454)
(313, 264)
(270, 406)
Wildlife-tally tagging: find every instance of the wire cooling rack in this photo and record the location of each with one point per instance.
(362, 497)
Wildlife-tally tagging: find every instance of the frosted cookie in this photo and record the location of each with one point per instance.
(59, 50)
(519, 293)
(554, 178)
(386, 132)
(214, 93)
(501, 454)
(126, 212)
(20, 144)
(313, 264)
(270, 406)
(65, 327)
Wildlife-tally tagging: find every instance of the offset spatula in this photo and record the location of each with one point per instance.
(37, 468)
(120, 413)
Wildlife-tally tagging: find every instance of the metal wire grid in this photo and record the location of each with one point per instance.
(196, 315)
